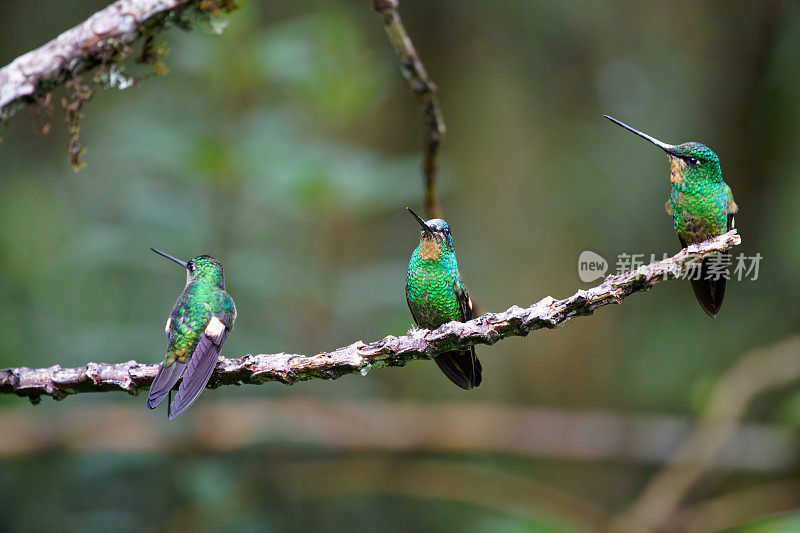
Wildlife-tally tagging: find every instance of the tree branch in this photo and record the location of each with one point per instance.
(422, 428)
(726, 512)
(99, 39)
(424, 90)
(752, 375)
(365, 476)
(359, 357)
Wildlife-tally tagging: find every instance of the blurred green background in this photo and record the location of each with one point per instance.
(287, 147)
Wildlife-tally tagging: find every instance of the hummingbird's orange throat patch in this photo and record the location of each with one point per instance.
(676, 169)
(429, 249)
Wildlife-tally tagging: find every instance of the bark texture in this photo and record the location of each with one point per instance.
(99, 39)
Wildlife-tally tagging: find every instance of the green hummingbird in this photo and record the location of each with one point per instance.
(436, 295)
(196, 329)
(701, 206)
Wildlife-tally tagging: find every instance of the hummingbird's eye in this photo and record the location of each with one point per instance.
(693, 161)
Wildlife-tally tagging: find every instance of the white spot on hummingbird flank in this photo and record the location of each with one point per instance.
(214, 329)
(169, 323)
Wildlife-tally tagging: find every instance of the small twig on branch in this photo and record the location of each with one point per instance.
(99, 39)
(752, 375)
(424, 90)
(359, 357)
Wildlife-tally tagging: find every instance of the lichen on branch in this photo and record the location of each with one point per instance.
(101, 40)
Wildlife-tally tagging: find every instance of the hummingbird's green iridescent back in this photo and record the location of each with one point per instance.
(197, 327)
(436, 295)
(203, 298)
(701, 206)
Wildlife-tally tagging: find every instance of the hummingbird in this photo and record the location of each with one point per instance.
(436, 295)
(196, 329)
(701, 206)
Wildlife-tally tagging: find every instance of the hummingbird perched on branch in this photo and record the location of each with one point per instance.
(197, 328)
(436, 295)
(701, 206)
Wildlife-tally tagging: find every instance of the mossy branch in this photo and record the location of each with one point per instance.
(101, 39)
(359, 357)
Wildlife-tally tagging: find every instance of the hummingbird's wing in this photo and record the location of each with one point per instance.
(168, 375)
(462, 367)
(202, 362)
(732, 207)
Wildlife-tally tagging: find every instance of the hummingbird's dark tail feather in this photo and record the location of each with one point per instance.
(198, 372)
(165, 379)
(462, 368)
(709, 292)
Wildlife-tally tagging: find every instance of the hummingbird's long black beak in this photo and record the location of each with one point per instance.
(669, 148)
(184, 264)
(422, 223)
